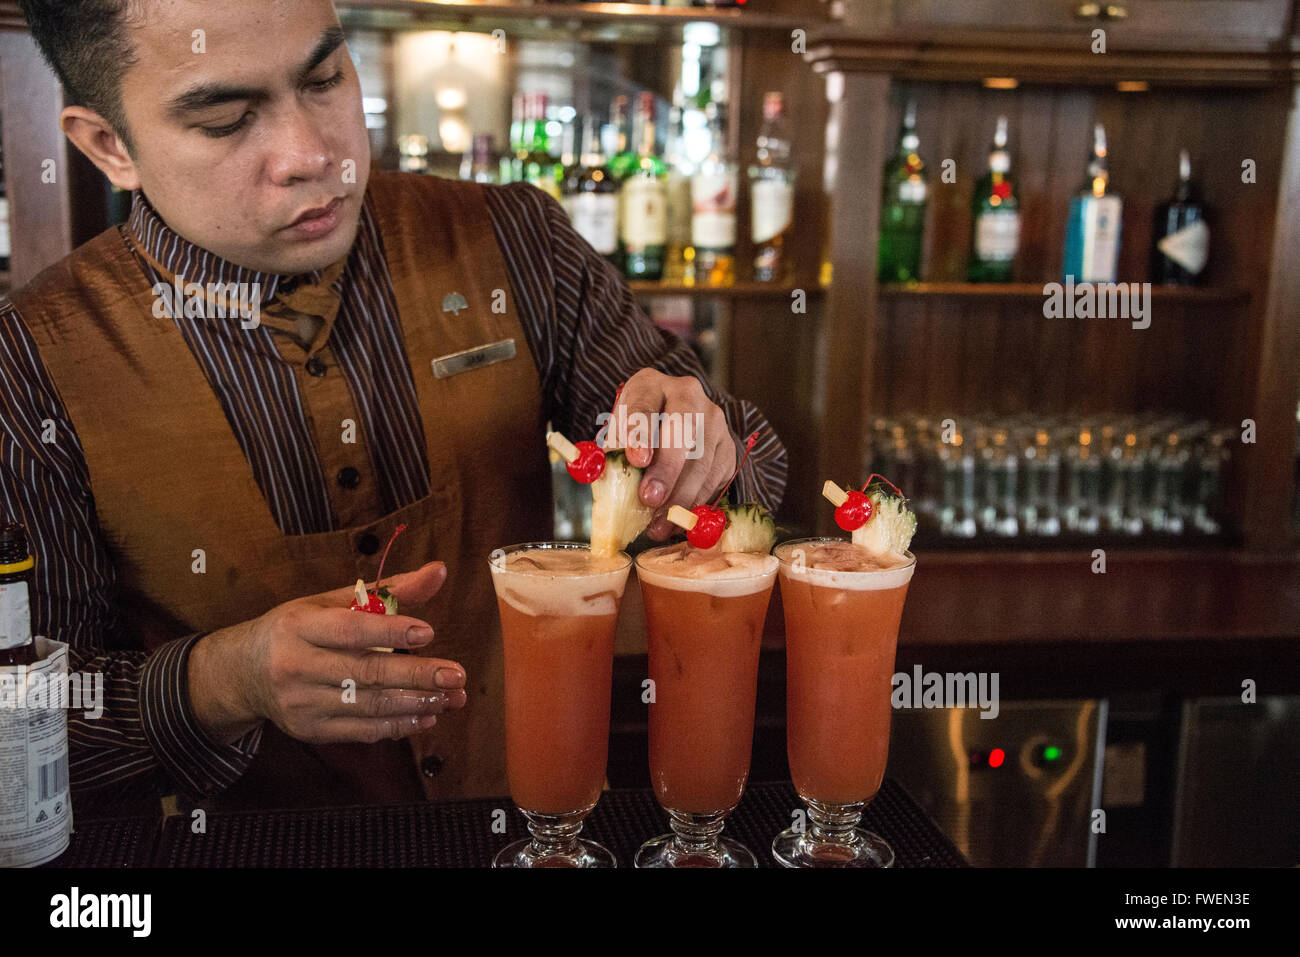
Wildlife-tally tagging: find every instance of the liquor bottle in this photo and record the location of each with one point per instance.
(902, 212)
(771, 194)
(592, 196)
(713, 207)
(570, 165)
(680, 170)
(1093, 228)
(1182, 235)
(995, 211)
(644, 227)
(624, 157)
(480, 164)
(540, 167)
(17, 646)
(512, 164)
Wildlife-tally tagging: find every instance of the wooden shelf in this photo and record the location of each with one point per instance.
(1029, 290)
(1059, 58)
(740, 290)
(599, 21)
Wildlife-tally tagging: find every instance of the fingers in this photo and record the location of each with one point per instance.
(415, 588)
(336, 702)
(342, 629)
(412, 588)
(375, 669)
(369, 730)
(688, 492)
(642, 397)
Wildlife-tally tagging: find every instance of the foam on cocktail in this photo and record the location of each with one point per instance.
(840, 564)
(561, 581)
(723, 574)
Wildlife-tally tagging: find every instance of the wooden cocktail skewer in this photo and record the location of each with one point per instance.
(682, 518)
(834, 494)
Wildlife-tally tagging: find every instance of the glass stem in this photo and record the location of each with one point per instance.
(696, 833)
(552, 837)
(834, 823)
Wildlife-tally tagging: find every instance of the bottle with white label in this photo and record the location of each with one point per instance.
(1182, 236)
(713, 208)
(1093, 228)
(771, 199)
(35, 800)
(995, 216)
(591, 195)
(17, 647)
(643, 231)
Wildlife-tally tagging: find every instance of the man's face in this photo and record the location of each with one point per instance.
(255, 149)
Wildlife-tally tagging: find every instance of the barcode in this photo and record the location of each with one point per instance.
(54, 778)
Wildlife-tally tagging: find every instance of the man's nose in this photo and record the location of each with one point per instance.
(299, 151)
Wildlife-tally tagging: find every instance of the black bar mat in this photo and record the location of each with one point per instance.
(468, 833)
(113, 842)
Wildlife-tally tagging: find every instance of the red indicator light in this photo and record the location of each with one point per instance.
(996, 757)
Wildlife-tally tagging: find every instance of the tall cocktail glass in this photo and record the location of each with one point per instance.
(842, 609)
(704, 627)
(558, 604)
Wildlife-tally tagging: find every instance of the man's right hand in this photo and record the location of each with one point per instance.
(290, 666)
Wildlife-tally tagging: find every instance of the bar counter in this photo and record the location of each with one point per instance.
(460, 833)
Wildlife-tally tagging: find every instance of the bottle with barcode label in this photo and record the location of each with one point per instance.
(35, 801)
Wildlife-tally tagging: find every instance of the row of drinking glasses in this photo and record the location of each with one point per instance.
(1045, 476)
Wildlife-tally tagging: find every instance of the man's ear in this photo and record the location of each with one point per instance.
(94, 136)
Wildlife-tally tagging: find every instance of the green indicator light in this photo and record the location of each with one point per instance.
(1051, 753)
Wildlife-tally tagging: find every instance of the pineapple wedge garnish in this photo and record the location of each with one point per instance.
(891, 526)
(749, 529)
(617, 513)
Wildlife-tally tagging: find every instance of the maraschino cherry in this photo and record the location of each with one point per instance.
(584, 460)
(370, 601)
(853, 508)
(705, 524)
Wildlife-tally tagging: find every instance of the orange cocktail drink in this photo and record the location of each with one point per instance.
(842, 610)
(558, 605)
(704, 628)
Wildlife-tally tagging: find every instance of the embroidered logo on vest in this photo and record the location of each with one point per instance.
(454, 302)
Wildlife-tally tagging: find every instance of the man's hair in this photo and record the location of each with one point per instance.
(86, 43)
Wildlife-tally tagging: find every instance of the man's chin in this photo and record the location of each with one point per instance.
(296, 258)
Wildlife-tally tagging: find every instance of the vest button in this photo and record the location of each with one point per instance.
(349, 477)
(368, 543)
(431, 766)
(315, 367)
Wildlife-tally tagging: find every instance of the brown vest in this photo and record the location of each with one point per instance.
(169, 477)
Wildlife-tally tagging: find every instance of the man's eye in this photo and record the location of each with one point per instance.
(217, 132)
(321, 86)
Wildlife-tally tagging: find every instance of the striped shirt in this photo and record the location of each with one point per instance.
(586, 333)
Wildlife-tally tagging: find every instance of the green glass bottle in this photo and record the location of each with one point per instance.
(540, 167)
(643, 231)
(995, 216)
(902, 209)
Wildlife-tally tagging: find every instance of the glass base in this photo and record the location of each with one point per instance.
(555, 843)
(665, 851)
(582, 853)
(860, 848)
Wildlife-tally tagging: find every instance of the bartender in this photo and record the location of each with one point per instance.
(213, 417)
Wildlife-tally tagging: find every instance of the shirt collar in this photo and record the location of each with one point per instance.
(196, 264)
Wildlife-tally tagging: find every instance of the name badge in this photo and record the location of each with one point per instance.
(475, 358)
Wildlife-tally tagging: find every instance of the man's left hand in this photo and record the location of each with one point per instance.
(692, 456)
